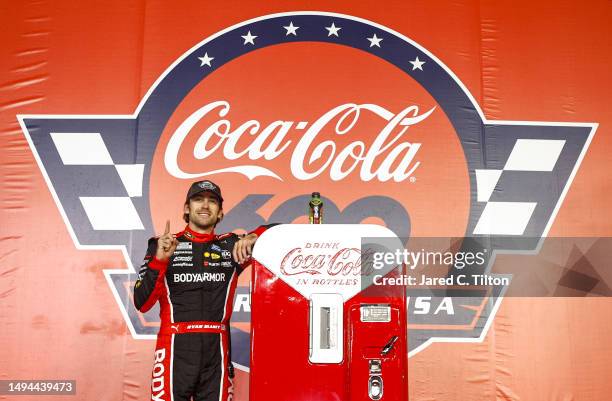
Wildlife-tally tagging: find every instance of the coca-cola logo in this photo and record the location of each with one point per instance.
(345, 262)
(389, 156)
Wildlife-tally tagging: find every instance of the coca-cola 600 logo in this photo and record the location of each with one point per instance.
(282, 105)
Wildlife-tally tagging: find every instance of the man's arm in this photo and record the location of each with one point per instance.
(260, 230)
(149, 286)
(243, 248)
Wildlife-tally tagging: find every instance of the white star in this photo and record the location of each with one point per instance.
(291, 30)
(248, 38)
(206, 60)
(375, 41)
(417, 64)
(333, 30)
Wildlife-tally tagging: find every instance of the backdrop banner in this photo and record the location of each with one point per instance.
(475, 131)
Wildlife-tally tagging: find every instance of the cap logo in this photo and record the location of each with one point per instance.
(207, 185)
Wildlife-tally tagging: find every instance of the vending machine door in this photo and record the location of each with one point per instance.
(294, 348)
(377, 349)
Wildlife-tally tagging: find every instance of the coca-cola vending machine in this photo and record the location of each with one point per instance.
(316, 332)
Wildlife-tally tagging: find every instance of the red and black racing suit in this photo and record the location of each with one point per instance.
(195, 289)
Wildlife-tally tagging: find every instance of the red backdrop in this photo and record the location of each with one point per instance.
(540, 61)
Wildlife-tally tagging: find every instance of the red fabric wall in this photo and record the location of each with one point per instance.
(532, 61)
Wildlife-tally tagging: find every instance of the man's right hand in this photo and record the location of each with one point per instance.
(166, 244)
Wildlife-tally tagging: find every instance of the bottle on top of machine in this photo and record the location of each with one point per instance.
(315, 206)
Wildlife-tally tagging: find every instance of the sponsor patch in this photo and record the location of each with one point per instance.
(197, 277)
(184, 245)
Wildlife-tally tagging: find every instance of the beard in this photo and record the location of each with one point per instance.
(205, 225)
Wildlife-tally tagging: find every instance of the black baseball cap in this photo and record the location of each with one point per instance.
(204, 186)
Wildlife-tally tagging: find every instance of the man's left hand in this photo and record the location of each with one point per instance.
(243, 248)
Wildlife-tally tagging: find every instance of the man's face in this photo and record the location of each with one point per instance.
(204, 210)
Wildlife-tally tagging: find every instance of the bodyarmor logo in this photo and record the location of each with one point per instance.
(157, 384)
(374, 121)
(198, 277)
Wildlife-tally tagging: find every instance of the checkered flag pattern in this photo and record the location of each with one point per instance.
(103, 212)
(528, 156)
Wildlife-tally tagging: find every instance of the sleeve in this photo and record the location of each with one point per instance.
(150, 283)
(260, 230)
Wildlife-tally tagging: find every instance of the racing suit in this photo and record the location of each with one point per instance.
(195, 289)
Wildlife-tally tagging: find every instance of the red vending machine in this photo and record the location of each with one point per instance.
(318, 331)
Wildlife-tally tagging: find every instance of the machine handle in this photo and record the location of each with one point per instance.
(389, 346)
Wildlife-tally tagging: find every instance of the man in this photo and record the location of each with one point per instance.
(193, 275)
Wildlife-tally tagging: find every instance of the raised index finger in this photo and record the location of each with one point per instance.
(167, 230)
